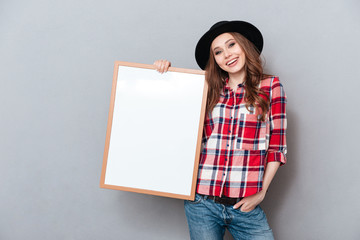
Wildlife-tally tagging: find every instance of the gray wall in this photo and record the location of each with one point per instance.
(56, 66)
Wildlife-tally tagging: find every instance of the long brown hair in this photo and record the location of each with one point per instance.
(215, 78)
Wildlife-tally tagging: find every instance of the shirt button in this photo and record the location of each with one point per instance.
(229, 131)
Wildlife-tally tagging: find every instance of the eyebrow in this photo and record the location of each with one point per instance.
(225, 43)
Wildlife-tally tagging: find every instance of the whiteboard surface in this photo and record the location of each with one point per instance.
(154, 130)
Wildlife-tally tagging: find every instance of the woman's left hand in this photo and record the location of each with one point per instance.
(247, 204)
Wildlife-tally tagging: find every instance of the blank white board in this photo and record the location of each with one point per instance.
(154, 130)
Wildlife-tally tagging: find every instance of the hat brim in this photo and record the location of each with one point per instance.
(249, 31)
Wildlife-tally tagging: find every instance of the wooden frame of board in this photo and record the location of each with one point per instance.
(154, 130)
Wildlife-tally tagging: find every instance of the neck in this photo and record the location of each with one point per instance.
(235, 79)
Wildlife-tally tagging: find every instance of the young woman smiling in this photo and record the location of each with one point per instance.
(244, 140)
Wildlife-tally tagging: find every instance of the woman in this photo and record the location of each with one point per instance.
(244, 134)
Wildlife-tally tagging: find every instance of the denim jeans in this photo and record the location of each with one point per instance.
(208, 220)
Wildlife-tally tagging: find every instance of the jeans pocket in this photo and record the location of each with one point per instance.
(250, 212)
(198, 199)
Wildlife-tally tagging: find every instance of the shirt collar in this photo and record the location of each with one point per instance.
(227, 87)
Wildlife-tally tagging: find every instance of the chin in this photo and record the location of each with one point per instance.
(236, 70)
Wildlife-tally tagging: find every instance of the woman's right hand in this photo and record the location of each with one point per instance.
(162, 65)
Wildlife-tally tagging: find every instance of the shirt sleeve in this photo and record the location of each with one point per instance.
(208, 127)
(277, 116)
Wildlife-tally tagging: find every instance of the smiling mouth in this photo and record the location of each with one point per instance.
(231, 62)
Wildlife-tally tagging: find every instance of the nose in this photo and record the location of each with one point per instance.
(227, 53)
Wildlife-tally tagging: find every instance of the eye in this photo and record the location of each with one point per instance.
(232, 44)
(217, 52)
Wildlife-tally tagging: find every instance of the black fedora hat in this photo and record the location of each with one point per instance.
(246, 29)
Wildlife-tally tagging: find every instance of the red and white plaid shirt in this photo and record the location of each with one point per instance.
(237, 146)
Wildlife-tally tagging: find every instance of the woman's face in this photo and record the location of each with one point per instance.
(228, 54)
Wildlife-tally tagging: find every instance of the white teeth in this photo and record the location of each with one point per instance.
(231, 62)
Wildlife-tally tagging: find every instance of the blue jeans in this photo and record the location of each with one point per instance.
(208, 220)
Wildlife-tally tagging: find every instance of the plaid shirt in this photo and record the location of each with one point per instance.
(236, 145)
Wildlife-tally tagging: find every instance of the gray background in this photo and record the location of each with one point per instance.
(56, 67)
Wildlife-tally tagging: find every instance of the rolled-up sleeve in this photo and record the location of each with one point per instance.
(277, 119)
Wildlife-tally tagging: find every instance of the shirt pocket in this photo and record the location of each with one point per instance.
(251, 133)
